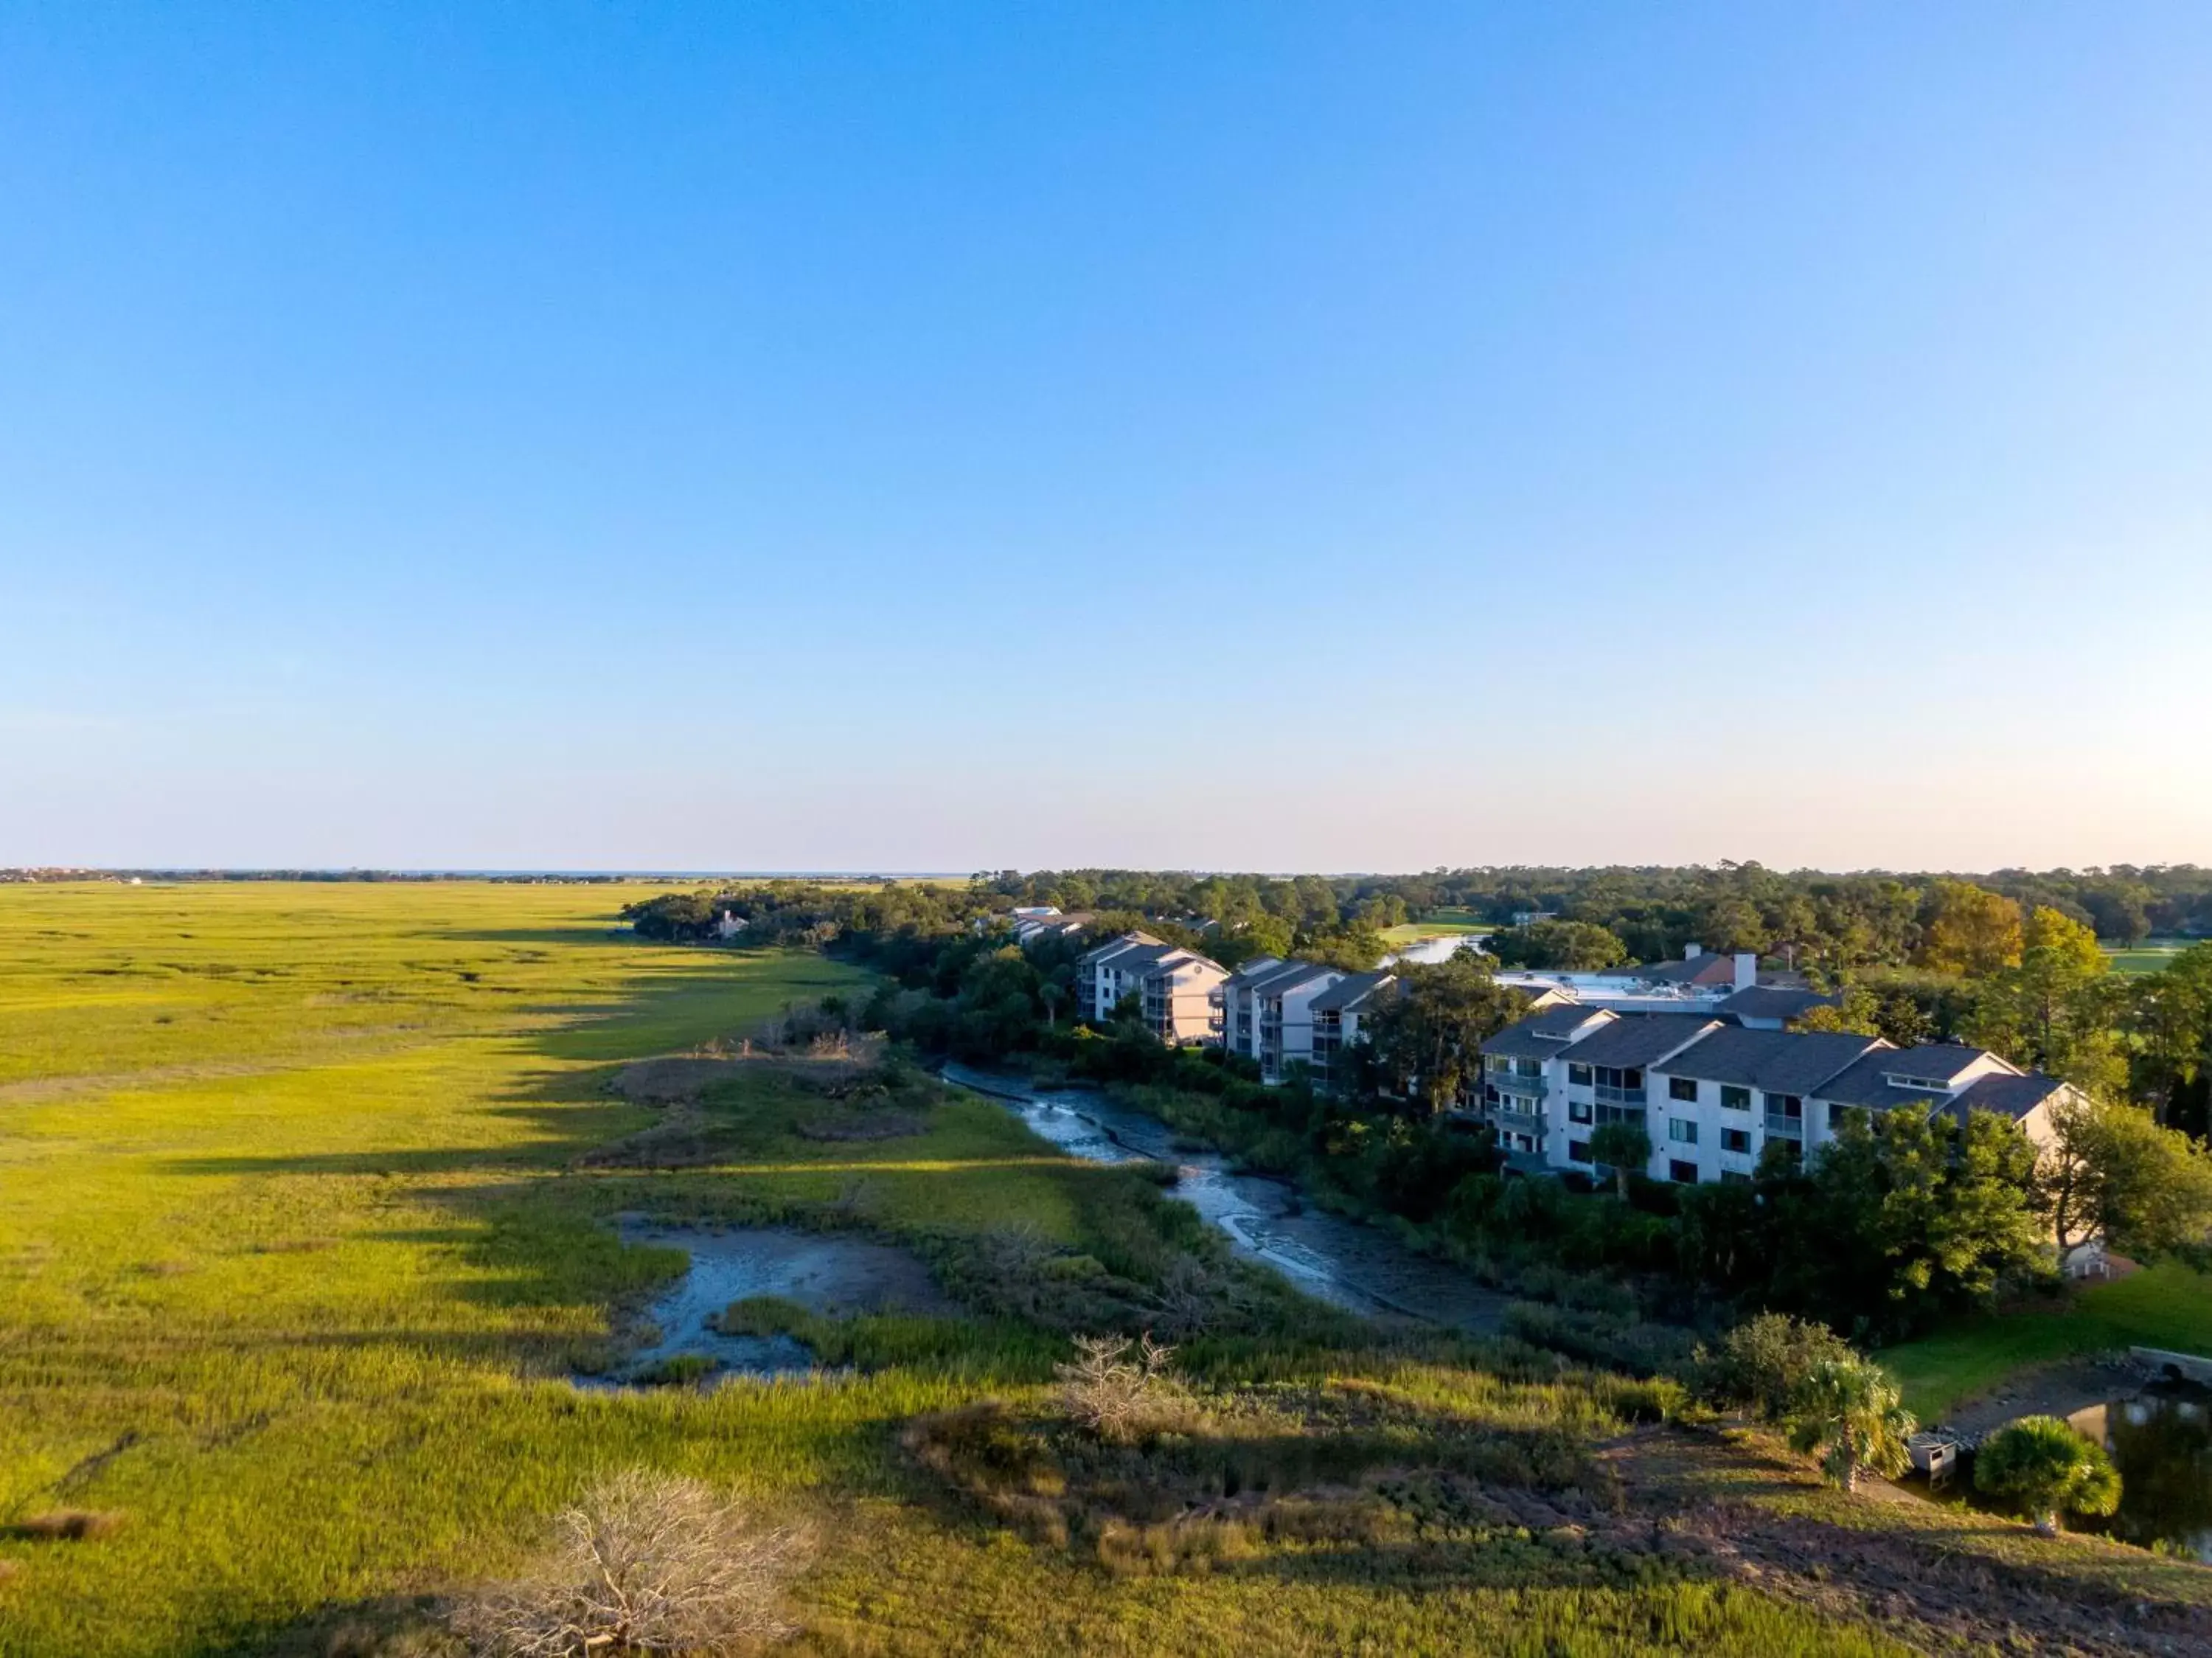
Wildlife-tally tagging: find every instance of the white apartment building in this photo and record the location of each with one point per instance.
(1713, 1094)
(1267, 1011)
(1177, 986)
(1337, 1014)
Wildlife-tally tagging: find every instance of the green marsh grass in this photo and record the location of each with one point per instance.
(304, 1205)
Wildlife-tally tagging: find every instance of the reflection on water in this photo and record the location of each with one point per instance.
(1339, 1261)
(2161, 1442)
(824, 1271)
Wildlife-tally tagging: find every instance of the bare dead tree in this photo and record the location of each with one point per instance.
(648, 1563)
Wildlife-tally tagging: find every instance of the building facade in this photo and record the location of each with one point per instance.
(1176, 986)
(1712, 1094)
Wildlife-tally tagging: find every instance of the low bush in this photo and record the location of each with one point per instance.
(1121, 1391)
(1765, 1361)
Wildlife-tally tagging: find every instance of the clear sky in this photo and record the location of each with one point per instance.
(1264, 436)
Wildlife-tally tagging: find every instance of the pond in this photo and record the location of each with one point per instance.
(2160, 1440)
(825, 1272)
(1358, 1267)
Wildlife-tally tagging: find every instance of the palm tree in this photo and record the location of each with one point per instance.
(2045, 1466)
(1847, 1413)
(1622, 1146)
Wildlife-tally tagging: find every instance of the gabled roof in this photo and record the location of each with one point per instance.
(1351, 991)
(1777, 1061)
(1866, 1083)
(1774, 1001)
(1541, 1035)
(2010, 1097)
(1634, 1040)
(1114, 947)
(1277, 977)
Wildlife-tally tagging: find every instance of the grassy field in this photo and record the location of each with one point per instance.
(304, 1235)
(2151, 956)
(2168, 1306)
(1412, 932)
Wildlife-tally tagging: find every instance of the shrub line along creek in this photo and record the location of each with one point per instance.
(1346, 1262)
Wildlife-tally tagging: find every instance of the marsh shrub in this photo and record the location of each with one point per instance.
(1765, 1361)
(646, 1563)
(1119, 1389)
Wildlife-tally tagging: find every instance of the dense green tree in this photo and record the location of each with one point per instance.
(2111, 1171)
(1425, 1042)
(1969, 931)
(2055, 1008)
(2044, 1467)
(1563, 946)
(2167, 1021)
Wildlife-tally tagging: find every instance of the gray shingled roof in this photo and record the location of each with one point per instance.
(1350, 992)
(1638, 1039)
(1776, 1062)
(1774, 1001)
(2011, 1097)
(1542, 1034)
(1866, 1083)
(1282, 977)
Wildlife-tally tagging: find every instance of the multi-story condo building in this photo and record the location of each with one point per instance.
(1267, 1011)
(1712, 1094)
(1177, 986)
(1338, 1013)
(1700, 982)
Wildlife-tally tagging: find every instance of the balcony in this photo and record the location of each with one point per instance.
(1620, 1114)
(1609, 1095)
(1534, 1088)
(1786, 1128)
(1520, 1122)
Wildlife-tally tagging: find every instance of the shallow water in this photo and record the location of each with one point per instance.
(2160, 1440)
(1358, 1267)
(824, 1271)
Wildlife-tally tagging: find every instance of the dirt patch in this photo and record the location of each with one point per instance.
(678, 1079)
(1934, 1582)
(2054, 1390)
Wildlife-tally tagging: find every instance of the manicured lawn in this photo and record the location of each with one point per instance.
(2166, 1306)
(1412, 932)
(2149, 957)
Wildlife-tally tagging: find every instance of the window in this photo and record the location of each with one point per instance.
(1632, 1077)
(1682, 1174)
(1838, 1115)
(1784, 1105)
(1578, 1111)
(1579, 1151)
(1682, 1088)
(1681, 1131)
(1735, 1099)
(1736, 1140)
(1578, 1076)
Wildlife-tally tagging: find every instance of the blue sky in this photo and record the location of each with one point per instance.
(1264, 436)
